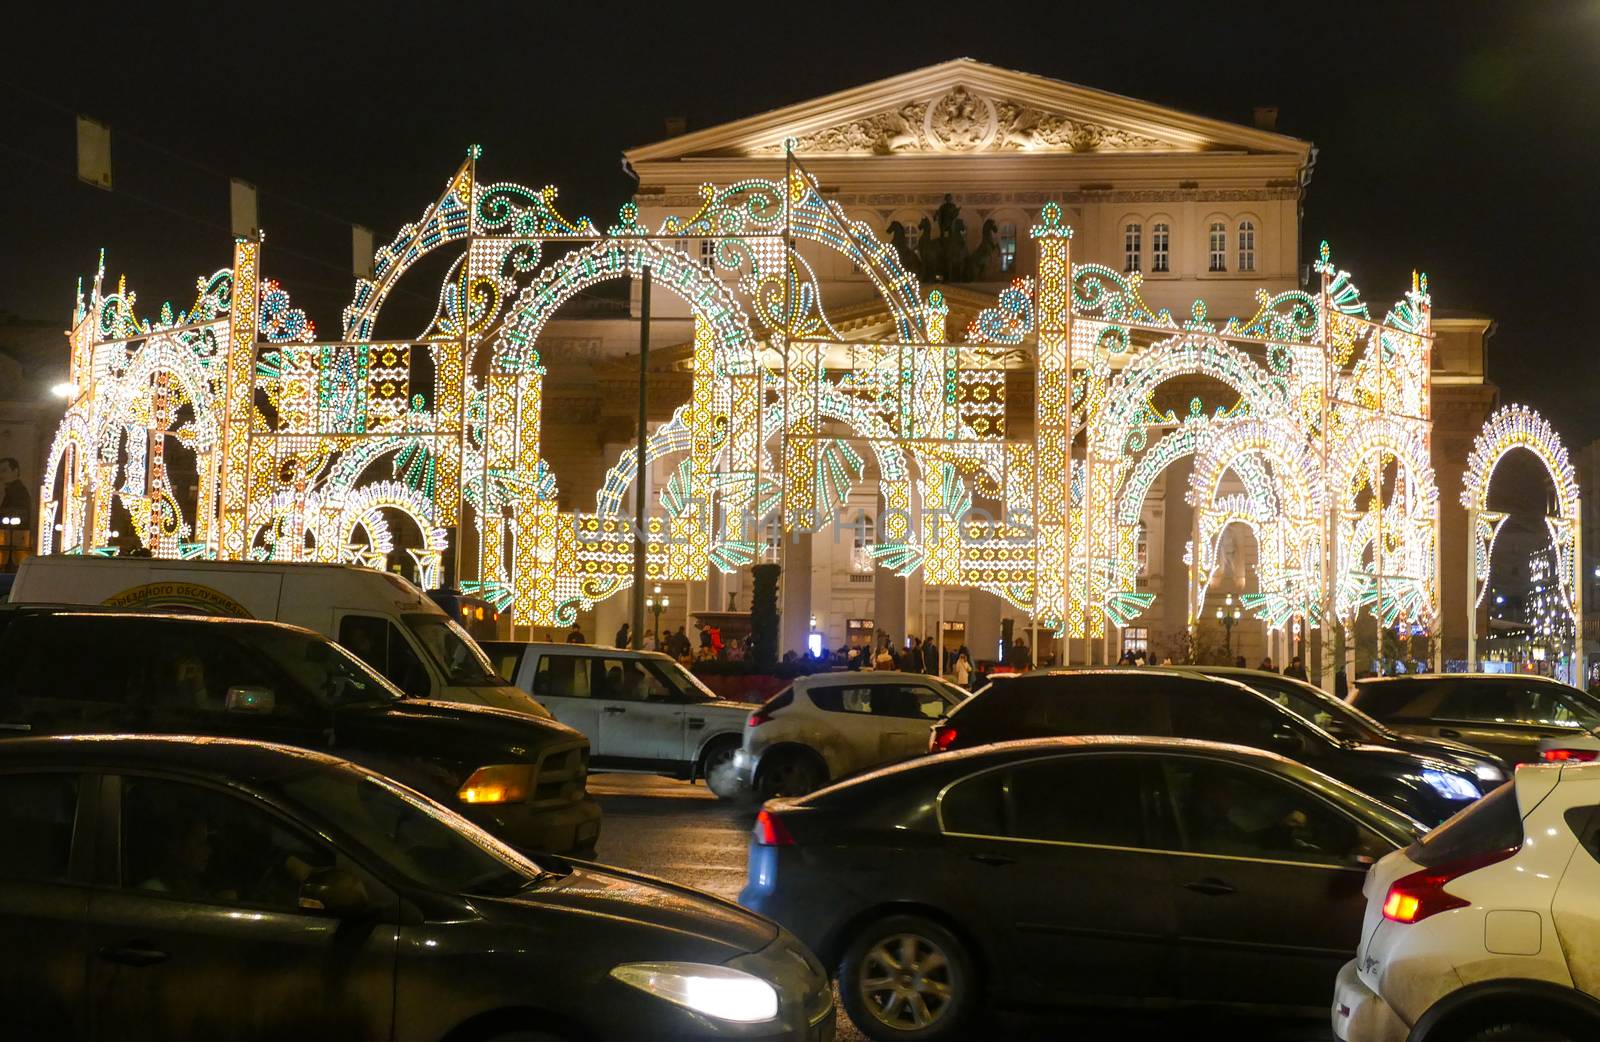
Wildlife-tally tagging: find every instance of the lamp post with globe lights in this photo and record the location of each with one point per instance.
(1229, 613)
(656, 603)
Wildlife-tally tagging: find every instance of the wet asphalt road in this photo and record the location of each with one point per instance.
(684, 834)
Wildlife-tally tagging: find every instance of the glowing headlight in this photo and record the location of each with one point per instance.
(1489, 774)
(715, 991)
(1451, 786)
(500, 783)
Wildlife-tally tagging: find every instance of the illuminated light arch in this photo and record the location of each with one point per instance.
(74, 436)
(1507, 430)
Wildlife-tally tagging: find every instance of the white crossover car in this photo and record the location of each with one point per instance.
(641, 710)
(829, 725)
(1488, 928)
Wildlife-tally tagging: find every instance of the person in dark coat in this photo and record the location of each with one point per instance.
(930, 658)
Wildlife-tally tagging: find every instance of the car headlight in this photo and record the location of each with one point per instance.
(500, 783)
(719, 992)
(1451, 786)
(1489, 774)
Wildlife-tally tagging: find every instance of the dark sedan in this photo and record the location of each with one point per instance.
(1083, 871)
(1344, 721)
(188, 888)
(1508, 714)
(1170, 703)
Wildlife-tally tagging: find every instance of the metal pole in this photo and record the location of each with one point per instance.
(640, 469)
(1472, 588)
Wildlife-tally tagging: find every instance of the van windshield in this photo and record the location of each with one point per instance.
(455, 653)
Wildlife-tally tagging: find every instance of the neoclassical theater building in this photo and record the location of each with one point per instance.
(954, 163)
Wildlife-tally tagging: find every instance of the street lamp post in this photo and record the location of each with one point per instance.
(657, 604)
(1229, 614)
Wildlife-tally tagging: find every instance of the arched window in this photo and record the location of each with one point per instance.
(1008, 248)
(862, 537)
(1247, 246)
(1132, 246)
(1160, 247)
(1219, 246)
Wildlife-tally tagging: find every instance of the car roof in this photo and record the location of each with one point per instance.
(866, 676)
(80, 612)
(1502, 677)
(228, 757)
(586, 649)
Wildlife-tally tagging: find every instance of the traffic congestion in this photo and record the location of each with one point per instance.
(335, 815)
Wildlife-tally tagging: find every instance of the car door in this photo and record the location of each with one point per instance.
(854, 736)
(46, 852)
(1267, 881)
(197, 929)
(562, 685)
(642, 723)
(1059, 851)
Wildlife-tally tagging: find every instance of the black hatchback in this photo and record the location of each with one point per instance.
(1176, 704)
(1082, 871)
(171, 888)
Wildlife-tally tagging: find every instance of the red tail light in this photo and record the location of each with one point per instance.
(1571, 755)
(942, 738)
(771, 831)
(759, 717)
(1419, 895)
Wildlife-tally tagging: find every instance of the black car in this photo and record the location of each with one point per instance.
(1079, 871)
(75, 672)
(1507, 714)
(1346, 722)
(1174, 704)
(205, 888)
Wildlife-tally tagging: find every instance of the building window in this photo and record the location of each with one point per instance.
(1008, 248)
(1247, 246)
(1132, 246)
(774, 539)
(1143, 552)
(1219, 246)
(1160, 247)
(708, 252)
(1136, 640)
(861, 539)
(913, 234)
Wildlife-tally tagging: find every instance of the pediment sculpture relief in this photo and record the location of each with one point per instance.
(962, 120)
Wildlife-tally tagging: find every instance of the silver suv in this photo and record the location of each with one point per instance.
(640, 710)
(829, 725)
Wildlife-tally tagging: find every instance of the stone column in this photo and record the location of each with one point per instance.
(794, 623)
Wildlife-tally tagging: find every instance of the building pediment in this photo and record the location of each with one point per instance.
(966, 107)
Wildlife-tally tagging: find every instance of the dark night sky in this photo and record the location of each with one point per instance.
(1459, 137)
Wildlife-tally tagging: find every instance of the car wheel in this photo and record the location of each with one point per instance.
(1518, 1033)
(908, 979)
(716, 767)
(789, 773)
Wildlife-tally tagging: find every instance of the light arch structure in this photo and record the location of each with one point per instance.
(1509, 429)
(446, 426)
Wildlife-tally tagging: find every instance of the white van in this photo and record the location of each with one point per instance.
(381, 617)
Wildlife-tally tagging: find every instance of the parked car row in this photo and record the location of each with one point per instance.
(1160, 837)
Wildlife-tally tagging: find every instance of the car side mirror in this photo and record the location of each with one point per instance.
(337, 891)
(248, 699)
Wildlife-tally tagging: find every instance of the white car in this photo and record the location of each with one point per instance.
(828, 725)
(1488, 928)
(641, 710)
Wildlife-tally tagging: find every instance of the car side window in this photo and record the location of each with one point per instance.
(1093, 800)
(1231, 811)
(842, 699)
(562, 676)
(1228, 715)
(37, 812)
(191, 843)
(378, 642)
(907, 701)
(1091, 705)
(65, 673)
(628, 680)
(189, 671)
(506, 661)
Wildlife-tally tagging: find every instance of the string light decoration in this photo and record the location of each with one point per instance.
(310, 450)
(1507, 430)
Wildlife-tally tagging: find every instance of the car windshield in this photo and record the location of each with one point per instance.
(327, 670)
(1337, 718)
(453, 651)
(429, 845)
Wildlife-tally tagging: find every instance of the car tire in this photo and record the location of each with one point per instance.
(931, 1001)
(789, 772)
(1517, 1032)
(716, 767)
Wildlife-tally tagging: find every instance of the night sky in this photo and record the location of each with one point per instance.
(1460, 138)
